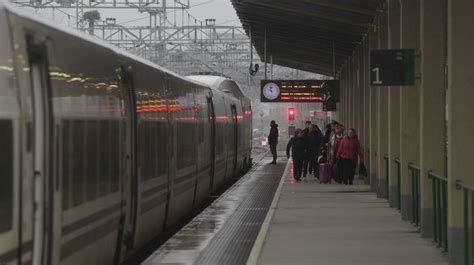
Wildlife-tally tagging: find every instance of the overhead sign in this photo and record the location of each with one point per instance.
(392, 67)
(318, 114)
(299, 90)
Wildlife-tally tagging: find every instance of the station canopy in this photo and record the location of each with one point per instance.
(301, 33)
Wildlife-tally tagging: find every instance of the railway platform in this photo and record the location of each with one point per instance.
(268, 218)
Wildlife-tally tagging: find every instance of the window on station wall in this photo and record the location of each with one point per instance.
(90, 160)
(6, 175)
(186, 144)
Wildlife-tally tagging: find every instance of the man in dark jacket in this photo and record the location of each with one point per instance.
(298, 148)
(306, 136)
(273, 140)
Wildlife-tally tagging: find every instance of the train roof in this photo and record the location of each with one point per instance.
(219, 83)
(23, 13)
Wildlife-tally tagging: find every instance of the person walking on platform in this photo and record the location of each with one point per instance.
(349, 153)
(325, 144)
(297, 145)
(306, 135)
(335, 142)
(337, 167)
(314, 148)
(273, 140)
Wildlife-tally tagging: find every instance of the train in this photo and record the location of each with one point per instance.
(102, 151)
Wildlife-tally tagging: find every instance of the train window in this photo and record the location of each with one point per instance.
(162, 148)
(201, 131)
(152, 152)
(201, 121)
(78, 162)
(114, 155)
(186, 145)
(6, 175)
(146, 149)
(155, 142)
(66, 172)
(140, 148)
(91, 160)
(92, 143)
(104, 157)
(9, 143)
(219, 138)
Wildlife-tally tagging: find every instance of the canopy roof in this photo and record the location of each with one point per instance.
(301, 33)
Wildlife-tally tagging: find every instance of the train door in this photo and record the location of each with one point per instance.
(44, 190)
(129, 219)
(212, 119)
(236, 133)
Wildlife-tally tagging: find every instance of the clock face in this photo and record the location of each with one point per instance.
(271, 91)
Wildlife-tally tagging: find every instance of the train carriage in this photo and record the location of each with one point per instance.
(101, 150)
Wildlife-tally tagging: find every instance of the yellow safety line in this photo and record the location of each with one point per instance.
(262, 234)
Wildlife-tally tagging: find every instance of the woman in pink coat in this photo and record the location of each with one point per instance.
(348, 153)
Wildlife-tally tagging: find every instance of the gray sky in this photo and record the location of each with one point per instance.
(221, 10)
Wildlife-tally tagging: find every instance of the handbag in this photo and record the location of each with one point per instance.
(362, 169)
(336, 174)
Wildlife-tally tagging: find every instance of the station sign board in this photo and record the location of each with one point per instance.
(392, 67)
(318, 114)
(286, 91)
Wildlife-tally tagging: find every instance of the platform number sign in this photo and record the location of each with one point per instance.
(392, 67)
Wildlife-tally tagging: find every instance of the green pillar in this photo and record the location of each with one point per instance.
(432, 103)
(360, 93)
(382, 114)
(350, 112)
(366, 103)
(373, 123)
(343, 94)
(394, 105)
(409, 107)
(460, 117)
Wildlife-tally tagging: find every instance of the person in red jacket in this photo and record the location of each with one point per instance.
(348, 153)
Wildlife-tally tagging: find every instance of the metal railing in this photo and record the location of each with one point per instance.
(387, 159)
(415, 193)
(468, 239)
(440, 209)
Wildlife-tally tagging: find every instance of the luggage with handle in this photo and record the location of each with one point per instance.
(324, 173)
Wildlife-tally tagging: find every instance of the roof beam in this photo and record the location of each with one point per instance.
(273, 5)
(341, 7)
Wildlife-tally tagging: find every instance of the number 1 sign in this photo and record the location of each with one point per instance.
(392, 67)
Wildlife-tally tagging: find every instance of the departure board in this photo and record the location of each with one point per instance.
(299, 91)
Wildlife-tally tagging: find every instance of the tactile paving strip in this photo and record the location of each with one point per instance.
(233, 243)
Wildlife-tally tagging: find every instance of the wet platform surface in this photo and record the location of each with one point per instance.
(339, 225)
(307, 223)
(225, 232)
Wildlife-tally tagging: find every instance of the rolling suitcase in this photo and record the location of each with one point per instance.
(324, 173)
